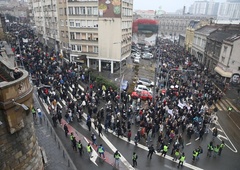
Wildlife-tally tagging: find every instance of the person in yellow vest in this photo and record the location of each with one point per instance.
(165, 150)
(117, 157)
(34, 113)
(216, 150)
(176, 154)
(134, 159)
(101, 151)
(195, 154)
(229, 110)
(181, 160)
(221, 148)
(89, 150)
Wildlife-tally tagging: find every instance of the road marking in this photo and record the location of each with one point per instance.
(110, 145)
(234, 122)
(72, 96)
(79, 86)
(217, 129)
(188, 143)
(63, 101)
(59, 104)
(222, 105)
(94, 154)
(219, 108)
(127, 164)
(227, 138)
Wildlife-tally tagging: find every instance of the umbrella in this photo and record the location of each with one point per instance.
(176, 86)
(172, 86)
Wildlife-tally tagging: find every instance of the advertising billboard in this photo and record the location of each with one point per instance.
(109, 8)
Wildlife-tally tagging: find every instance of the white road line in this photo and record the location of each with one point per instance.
(234, 122)
(70, 88)
(219, 107)
(94, 154)
(59, 104)
(110, 145)
(74, 99)
(63, 101)
(232, 105)
(140, 146)
(226, 136)
(223, 106)
(188, 143)
(221, 136)
(79, 86)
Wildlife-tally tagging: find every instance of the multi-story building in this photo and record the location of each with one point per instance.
(199, 42)
(193, 25)
(46, 21)
(63, 28)
(204, 8)
(229, 10)
(100, 31)
(174, 24)
(147, 14)
(214, 46)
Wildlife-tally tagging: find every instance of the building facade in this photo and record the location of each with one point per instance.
(229, 11)
(193, 25)
(199, 41)
(213, 50)
(19, 146)
(174, 24)
(100, 32)
(204, 8)
(45, 16)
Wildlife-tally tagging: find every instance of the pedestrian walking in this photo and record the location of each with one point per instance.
(200, 151)
(229, 110)
(89, 124)
(116, 157)
(195, 154)
(210, 149)
(39, 115)
(134, 159)
(89, 150)
(181, 160)
(100, 129)
(151, 150)
(94, 139)
(129, 135)
(165, 150)
(176, 155)
(65, 129)
(74, 144)
(54, 119)
(34, 114)
(136, 139)
(216, 151)
(222, 145)
(214, 133)
(79, 146)
(101, 151)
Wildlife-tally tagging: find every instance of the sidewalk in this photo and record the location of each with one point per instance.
(57, 158)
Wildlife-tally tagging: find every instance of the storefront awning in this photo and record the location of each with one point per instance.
(222, 72)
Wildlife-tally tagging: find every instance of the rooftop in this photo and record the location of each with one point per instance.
(221, 35)
(206, 29)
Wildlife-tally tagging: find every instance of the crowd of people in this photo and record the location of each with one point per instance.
(184, 110)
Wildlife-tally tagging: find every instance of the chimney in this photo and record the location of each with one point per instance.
(184, 8)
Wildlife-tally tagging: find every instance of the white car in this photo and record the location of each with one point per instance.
(145, 81)
(136, 60)
(140, 88)
(147, 56)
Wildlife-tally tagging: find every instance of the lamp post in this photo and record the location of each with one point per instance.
(120, 71)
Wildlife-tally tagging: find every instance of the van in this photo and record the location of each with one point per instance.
(140, 88)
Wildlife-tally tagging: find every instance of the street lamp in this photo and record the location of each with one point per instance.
(120, 73)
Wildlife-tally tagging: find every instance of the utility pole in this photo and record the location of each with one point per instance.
(156, 71)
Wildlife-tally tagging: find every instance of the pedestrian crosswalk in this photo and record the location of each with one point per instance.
(223, 104)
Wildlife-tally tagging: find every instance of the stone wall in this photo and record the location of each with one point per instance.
(19, 148)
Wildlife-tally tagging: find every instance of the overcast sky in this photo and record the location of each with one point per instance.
(167, 5)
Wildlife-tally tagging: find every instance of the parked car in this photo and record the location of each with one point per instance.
(136, 60)
(124, 85)
(137, 54)
(140, 88)
(147, 56)
(143, 95)
(145, 81)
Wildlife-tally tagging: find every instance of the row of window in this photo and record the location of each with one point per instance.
(127, 12)
(84, 48)
(126, 24)
(171, 28)
(83, 36)
(83, 23)
(83, 10)
(199, 41)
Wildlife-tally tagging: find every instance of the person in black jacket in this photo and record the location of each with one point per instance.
(150, 151)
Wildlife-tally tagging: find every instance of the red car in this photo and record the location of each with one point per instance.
(143, 95)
